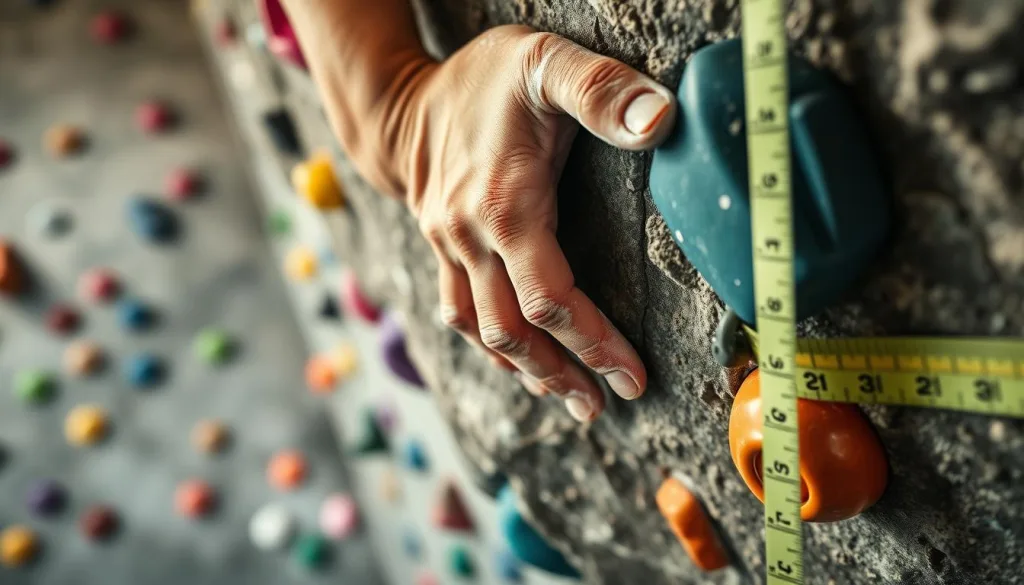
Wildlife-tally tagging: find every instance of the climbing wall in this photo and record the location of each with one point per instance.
(154, 421)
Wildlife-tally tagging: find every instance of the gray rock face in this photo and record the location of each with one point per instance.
(939, 82)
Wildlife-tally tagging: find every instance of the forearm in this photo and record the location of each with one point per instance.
(366, 57)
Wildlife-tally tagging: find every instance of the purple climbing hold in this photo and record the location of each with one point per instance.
(392, 341)
(46, 497)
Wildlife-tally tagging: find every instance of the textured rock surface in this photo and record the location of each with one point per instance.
(939, 82)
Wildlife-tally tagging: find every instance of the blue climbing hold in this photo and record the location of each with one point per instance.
(144, 370)
(524, 542)
(414, 456)
(507, 566)
(699, 181)
(152, 220)
(411, 544)
(134, 315)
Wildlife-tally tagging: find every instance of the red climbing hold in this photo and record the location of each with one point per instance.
(6, 154)
(182, 184)
(355, 302)
(12, 275)
(450, 512)
(154, 117)
(98, 285)
(109, 28)
(225, 32)
(62, 319)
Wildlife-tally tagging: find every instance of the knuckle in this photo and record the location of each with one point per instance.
(546, 309)
(557, 382)
(459, 229)
(433, 231)
(596, 354)
(533, 48)
(601, 83)
(458, 318)
(504, 340)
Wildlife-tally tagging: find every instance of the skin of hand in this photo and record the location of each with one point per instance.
(475, 145)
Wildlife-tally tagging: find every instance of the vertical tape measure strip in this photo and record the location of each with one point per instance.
(767, 124)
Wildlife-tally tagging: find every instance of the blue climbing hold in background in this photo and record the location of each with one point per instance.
(411, 544)
(414, 456)
(507, 566)
(152, 220)
(134, 315)
(699, 181)
(144, 370)
(524, 542)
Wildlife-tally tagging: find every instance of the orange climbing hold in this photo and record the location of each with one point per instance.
(287, 470)
(690, 524)
(315, 181)
(63, 141)
(843, 467)
(195, 499)
(18, 546)
(12, 275)
(321, 376)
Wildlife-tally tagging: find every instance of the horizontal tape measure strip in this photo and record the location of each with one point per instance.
(982, 375)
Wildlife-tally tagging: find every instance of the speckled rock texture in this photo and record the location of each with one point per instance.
(940, 85)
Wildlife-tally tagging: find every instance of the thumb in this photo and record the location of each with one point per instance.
(615, 102)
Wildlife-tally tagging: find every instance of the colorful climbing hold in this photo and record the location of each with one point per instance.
(210, 436)
(213, 346)
(134, 315)
(339, 516)
(225, 32)
(281, 39)
(524, 542)
(18, 546)
(49, 220)
(83, 358)
(287, 470)
(460, 562)
(279, 223)
(195, 499)
(109, 27)
(320, 375)
(389, 486)
(316, 182)
(62, 319)
(311, 551)
(34, 386)
(414, 456)
(508, 567)
(387, 418)
(411, 544)
(13, 279)
(99, 285)
(300, 264)
(99, 523)
(328, 308)
(393, 349)
(144, 370)
(182, 184)
(256, 36)
(6, 154)
(272, 527)
(86, 425)
(281, 130)
(345, 359)
(426, 578)
(63, 141)
(151, 220)
(371, 439)
(450, 512)
(355, 302)
(46, 497)
(154, 117)
(689, 522)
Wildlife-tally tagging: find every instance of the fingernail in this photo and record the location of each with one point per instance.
(644, 112)
(622, 384)
(579, 408)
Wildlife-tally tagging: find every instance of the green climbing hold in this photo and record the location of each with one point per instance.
(372, 439)
(311, 551)
(213, 346)
(459, 561)
(34, 386)
(279, 223)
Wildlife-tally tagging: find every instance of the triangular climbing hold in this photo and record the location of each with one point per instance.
(329, 308)
(372, 439)
(450, 512)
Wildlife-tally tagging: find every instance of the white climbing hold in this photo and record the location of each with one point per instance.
(271, 527)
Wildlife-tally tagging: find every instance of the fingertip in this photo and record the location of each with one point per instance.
(648, 118)
(624, 385)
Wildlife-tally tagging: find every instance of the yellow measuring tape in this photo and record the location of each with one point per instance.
(767, 112)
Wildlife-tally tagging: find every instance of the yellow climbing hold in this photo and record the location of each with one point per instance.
(86, 425)
(345, 359)
(18, 546)
(315, 181)
(300, 264)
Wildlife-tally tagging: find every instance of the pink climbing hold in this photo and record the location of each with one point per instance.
(154, 117)
(99, 285)
(354, 301)
(62, 319)
(339, 517)
(281, 39)
(225, 32)
(109, 28)
(426, 578)
(182, 184)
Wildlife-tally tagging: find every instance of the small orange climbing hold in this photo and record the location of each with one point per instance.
(287, 470)
(195, 499)
(18, 546)
(210, 436)
(321, 376)
(12, 275)
(315, 181)
(690, 524)
(300, 264)
(83, 358)
(843, 467)
(64, 140)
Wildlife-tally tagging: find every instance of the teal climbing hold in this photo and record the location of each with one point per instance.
(524, 542)
(507, 566)
(372, 438)
(699, 181)
(411, 544)
(144, 370)
(311, 551)
(414, 456)
(460, 562)
(134, 315)
(151, 220)
(34, 386)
